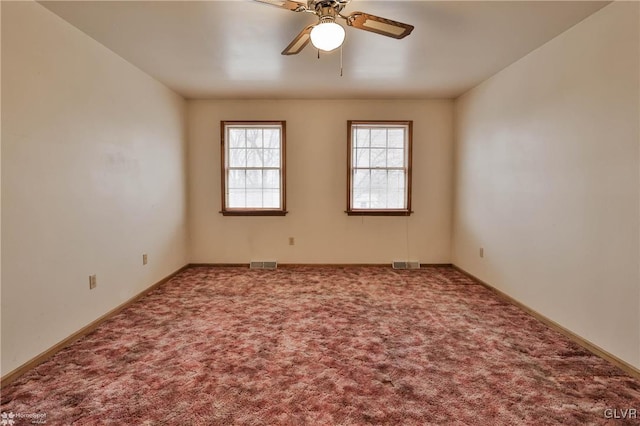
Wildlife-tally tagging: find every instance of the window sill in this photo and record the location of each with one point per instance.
(254, 212)
(378, 212)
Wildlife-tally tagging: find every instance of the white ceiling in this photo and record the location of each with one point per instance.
(231, 49)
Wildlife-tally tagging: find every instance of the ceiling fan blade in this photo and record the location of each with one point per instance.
(378, 25)
(286, 4)
(299, 42)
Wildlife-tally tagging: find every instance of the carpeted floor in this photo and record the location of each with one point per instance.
(323, 346)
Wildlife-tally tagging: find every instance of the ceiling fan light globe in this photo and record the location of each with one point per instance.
(327, 36)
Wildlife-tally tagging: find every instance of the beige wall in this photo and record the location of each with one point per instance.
(547, 180)
(316, 186)
(93, 155)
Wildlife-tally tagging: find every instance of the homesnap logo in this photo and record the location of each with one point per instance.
(620, 413)
(7, 418)
(10, 418)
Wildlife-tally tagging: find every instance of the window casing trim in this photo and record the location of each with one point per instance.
(379, 212)
(226, 211)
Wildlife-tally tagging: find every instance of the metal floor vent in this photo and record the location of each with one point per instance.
(405, 264)
(263, 264)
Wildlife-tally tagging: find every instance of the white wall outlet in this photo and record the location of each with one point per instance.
(481, 252)
(93, 283)
(145, 259)
(292, 241)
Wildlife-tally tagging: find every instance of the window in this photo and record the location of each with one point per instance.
(253, 168)
(379, 168)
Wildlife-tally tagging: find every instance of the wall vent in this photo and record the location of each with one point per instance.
(405, 264)
(263, 264)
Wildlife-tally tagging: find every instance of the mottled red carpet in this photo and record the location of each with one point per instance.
(323, 346)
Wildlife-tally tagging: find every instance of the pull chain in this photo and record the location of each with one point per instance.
(341, 73)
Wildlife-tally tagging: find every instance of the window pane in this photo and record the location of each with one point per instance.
(396, 180)
(271, 179)
(271, 198)
(396, 190)
(254, 179)
(271, 138)
(395, 200)
(361, 189)
(362, 179)
(254, 138)
(236, 138)
(378, 200)
(362, 158)
(237, 157)
(361, 199)
(254, 158)
(237, 179)
(271, 158)
(395, 138)
(254, 198)
(379, 138)
(236, 198)
(378, 189)
(395, 158)
(361, 137)
(378, 157)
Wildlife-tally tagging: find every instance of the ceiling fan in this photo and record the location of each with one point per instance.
(327, 35)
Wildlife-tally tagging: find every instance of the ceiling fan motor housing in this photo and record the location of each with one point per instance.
(328, 8)
(325, 19)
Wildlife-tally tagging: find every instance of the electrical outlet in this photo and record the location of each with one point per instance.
(144, 259)
(93, 283)
(481, 252)
(292, 241)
